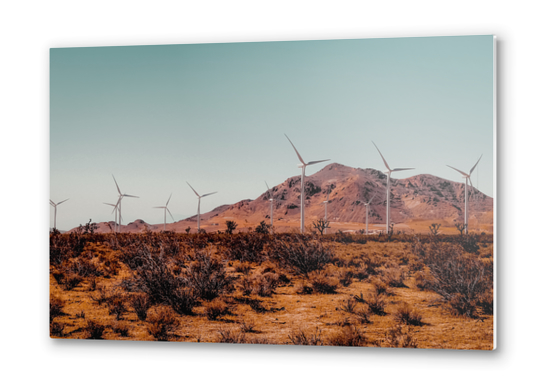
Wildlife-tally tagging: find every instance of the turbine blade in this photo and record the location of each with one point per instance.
(463, 173)
(160, 207)
(118, 189)
(193, 189)
(169, 199)
(113, 205)
(316, 162)
(170, 214)
(62, 202)
(472, 169)
(401, 169)
(207, 194)
(371, 199)
(298, 155)
(130, 196)
(51, 202)
(385, 163)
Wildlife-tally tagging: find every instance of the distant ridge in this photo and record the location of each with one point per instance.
(417, 198)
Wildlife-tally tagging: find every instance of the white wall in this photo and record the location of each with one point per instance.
(28, 29)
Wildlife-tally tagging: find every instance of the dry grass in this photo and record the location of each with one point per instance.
(271, 302)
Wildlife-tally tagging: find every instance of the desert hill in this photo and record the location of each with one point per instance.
(417, 199)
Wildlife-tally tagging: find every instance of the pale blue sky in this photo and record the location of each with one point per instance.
(215, 115)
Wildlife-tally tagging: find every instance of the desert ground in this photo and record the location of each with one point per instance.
(341, 289)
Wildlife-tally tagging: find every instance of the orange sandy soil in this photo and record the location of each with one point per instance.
(289, 312)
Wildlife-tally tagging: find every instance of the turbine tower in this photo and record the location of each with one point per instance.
(467, 180)
(367, 214)
(389, 171)
(114, 210)
(325, 205)
(165, 208)
(199, 199)
(270, 194)
(55, 205)
(119, 201)
(303, 165)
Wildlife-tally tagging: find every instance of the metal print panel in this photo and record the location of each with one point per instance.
(325, 193)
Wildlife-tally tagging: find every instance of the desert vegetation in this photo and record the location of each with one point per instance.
(396, 291)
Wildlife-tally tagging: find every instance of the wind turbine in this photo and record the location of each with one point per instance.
(55, 205)
(389, 171)
(118, 206)
(467, 180)
(367, 214)
(270, 194)
(325, 205)
(165, 208)
(114, 210)
(199, 199)
(303, 165)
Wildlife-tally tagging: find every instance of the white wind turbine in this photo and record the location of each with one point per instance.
(270, 194)
(467, 180)
(199, 199)
(114, 210)
(325, 205)
(303, 165)
(165, 208)
(389, 171)
(367, 204)
(119, 201)
(55, 205)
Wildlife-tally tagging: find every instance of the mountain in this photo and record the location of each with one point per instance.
(415, 202)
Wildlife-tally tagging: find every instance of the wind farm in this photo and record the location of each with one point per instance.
(342, 250)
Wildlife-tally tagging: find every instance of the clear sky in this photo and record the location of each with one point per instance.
(215, 115)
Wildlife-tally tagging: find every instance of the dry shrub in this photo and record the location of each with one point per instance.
(242, 267)
(141, 304)
(101, 295)
(459, 279)
(301, 255)
(56, 304)
(380, 287)
(206, 276)
(322, 282)
(265, 285)
(485, 302)
(116, 305)
(216, 309)
(56, 329)
(248, 326)
(345, 276)
(121, 329)
(92, 284)
(394, 277)
(80, 315)
(399, 337)
(348, 336)
(71, 280)
(303, 288)
(155, 277)
(359, 298)
(407, 315)
(245, 247)
(231, 336)
(162, 323)
(349, 305)
(376, 303)
(423, 280)
(362, 314)
(94, 330)
(302, 336)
